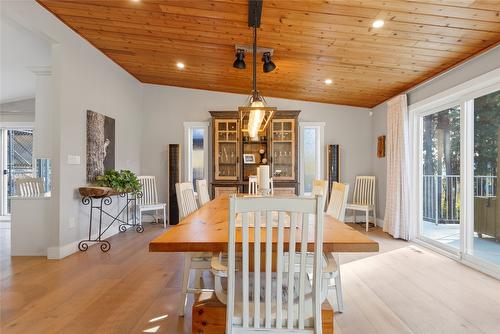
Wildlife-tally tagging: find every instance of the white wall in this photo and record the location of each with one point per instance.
(471, 69)
(21, 111)
(20, 48)
(166, 108)
(83, 79)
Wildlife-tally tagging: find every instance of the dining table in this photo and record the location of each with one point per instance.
(206, 230)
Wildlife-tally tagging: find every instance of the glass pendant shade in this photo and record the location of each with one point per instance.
(255, 118)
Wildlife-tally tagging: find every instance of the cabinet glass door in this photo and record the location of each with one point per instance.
(226, 148)
(283, 149)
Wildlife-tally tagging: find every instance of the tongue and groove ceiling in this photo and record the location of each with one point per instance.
(313, 40)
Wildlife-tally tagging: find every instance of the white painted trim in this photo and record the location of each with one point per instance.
(57, 253)
(468, 90)
(188, 126)
(361, 218)
(17, 125)
(40, 70)
(320, 152)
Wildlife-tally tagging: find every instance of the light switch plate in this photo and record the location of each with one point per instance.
(73, 159)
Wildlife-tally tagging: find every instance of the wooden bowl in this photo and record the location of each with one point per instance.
(95, 191)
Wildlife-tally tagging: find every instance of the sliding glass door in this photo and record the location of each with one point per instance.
(440, 177)
(456, 152)
(486, 206)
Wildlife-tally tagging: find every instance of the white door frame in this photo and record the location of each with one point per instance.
(4, 126)
(320, 152)
(463, 95)
(188, 129)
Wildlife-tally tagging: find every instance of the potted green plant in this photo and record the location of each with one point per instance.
(123, 181)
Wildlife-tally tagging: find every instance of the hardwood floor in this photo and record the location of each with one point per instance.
(402, 289)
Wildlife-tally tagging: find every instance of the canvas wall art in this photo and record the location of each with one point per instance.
(100, 144)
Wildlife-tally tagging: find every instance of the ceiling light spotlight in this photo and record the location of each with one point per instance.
(268, 66)
(328, 81)
(378, 24)
(180, 65)
(239, 63)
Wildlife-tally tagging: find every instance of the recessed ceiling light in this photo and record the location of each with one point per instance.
(180, 65)
(378, 24)
(136, 0)
(328, 81)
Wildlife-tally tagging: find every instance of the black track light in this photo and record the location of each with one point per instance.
(268, 66)
(240, 60)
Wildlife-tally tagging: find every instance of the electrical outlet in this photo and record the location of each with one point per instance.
(72, 222)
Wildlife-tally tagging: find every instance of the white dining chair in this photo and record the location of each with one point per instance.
(192, 261)
(252, 185)
(364, 198)
(264, 298)
(338, 201)
(149, 200)
(202, 189)
(336, 209)
(29, 187)
(320, 188)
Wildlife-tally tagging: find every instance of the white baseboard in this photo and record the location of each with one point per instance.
(362, 218)
(57, 253)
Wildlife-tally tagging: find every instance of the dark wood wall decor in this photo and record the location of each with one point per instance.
(381, 147)
(333, 166)
(313, 40)
(174, 176)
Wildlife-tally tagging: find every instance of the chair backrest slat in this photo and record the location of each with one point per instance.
(279, 272)
(303, 214)
(320, 188)
(252, 185)
(338, 201)
(202, 189)
(256, 270)
(364, 190)
(291, 269)
(149, 190)
(29, 187)
(245, 265)
(185, 199)
(302, 272)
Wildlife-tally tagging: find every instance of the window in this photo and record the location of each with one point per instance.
(311, 154)
(196, 151)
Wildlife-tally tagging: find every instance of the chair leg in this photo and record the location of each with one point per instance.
(197, 278)
(367, 219)
(185, 282)
(338, 291)
(164, 218)
(374, 217)
(140, 217)
(354, 212)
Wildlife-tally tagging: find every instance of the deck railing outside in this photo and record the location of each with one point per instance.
(441, 194)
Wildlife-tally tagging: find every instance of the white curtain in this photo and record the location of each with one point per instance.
(397, 209)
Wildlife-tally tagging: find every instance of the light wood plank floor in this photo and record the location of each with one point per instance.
(402, 289)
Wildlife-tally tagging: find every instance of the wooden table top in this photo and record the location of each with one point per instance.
(206, 230)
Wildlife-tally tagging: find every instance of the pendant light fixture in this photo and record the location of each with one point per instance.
(256, 110)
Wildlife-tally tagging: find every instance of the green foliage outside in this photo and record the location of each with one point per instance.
(441, 149)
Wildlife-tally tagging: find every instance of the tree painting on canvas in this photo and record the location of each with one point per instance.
(100, 144)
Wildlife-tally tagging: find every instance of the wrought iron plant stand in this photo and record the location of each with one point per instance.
(99, 204)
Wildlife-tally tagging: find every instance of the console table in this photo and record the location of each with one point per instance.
(99, 202)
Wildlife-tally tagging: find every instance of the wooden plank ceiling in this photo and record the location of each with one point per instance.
(313, 40)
